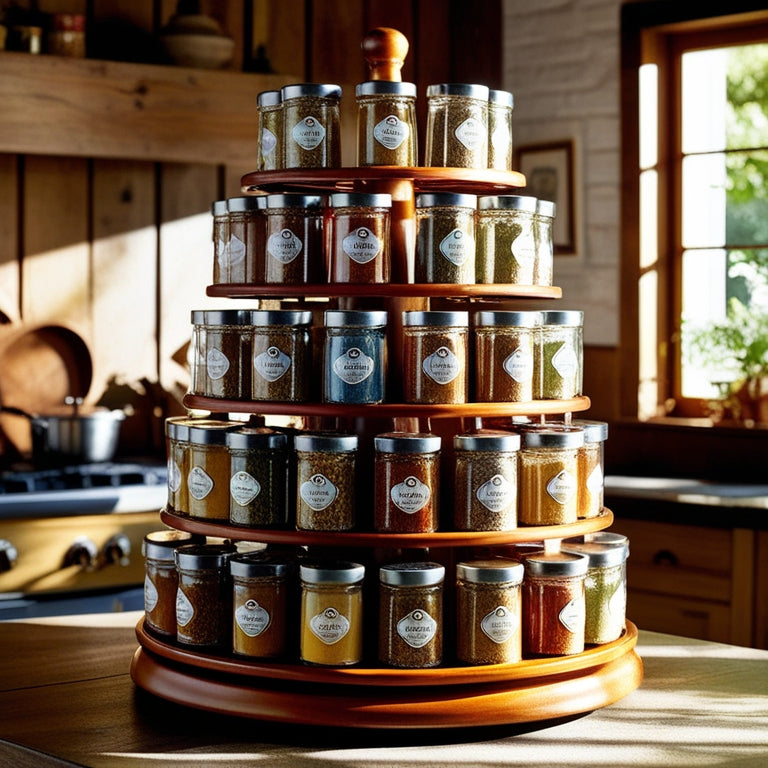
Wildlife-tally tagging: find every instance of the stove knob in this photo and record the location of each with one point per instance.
(117, 549)
(8, 555)
(82, 552)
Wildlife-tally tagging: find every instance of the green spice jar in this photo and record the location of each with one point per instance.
(504, 348)
(545, 249)
(294, 239)
(312, 134)
(445, 238)
(258, 460)
(325, 481)
(457, 126)
(489, 611)
(270, 108)
(220, 237)
(386, 123)
(435, 357)
(247, 239)
(357, 237)
(506, 246)
(500, 106)
(591, 464)
(485, 481)
(282, 355)
(559, 364)
(406, 482)
(411, 614)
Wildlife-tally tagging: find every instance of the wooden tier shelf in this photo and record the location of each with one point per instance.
(366, 539)
(366, 697)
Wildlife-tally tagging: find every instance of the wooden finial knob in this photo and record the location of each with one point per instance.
(385, 50)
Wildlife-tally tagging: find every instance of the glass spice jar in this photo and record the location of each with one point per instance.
(545, 249)
(558, 363)
(504, 347)
(331, 613)
(485, 481)
(500, 106)
(222, 350)
(270, 136)
(554, 612)
(406, 482)
(435, 357)
(282, 355)
(220, 237)
(506, 247)
(590, 467)
(548, 478)
(312, 135)
(294, 239)
(445, 238)
(605, 588)
(262, 593)
(160, 578)
(386, 123)
(177, 451)
(357, 237)
(258, 460)
(457, 126)
(325, 481)
(204, 596)
(354, 356)
(411, 614)
(247, 239)
(489, 611)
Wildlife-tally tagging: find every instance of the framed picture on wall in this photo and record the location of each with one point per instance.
(548, 171)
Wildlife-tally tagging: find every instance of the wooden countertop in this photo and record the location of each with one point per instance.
(66, 695)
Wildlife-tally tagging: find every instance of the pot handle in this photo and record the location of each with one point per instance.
(16, 411)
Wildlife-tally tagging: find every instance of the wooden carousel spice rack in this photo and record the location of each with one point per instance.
(372, 696)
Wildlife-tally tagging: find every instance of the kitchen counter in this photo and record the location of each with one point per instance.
(66, 695)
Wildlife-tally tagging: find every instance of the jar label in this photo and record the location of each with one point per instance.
(216, 364)
(244, 488)
(595, 481)
(184, 609)
(442, 366)
(268, 142)
(284, 246)
(272, 364)
(174, 476)
(471, 133)
(524, 249)
(617, 604)
(456, 246)
(222, 254)
(562, 487)
(361, 245)
(353, 366)
(519, 365)
(236, 251)
(252, 618)
(496, 494)
(151, 596)
(417, 628)
(329, 626)
(501, 136)
(391, 132)
(565, 361)
(572, 615)
(308, 133)
(199, 482)
(500, 624)
(411, 495)
(318, 492)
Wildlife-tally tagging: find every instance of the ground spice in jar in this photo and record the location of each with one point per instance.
(553, 604)
(204, 596)
(386, 123)
(435, 357)
(160, 578)
(247, 239)
(325, 481)
(548, 478)
(445, 238)
(590, 467)
(261, 603)
(411, 614)
(560, 355)
(220, 237)
(485, 481)
(406, 482)
(500, 106)
(312, 135)
(270, 107)
(489, 611)
(282, 355)
(331, 613)
(504, 348)
(177, 451)
(545, 249)
(506, 246)
(357, 238)
(457, 126)
(258, 459)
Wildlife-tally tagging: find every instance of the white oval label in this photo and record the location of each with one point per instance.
(456, 246)
(565, 361)
(519, 365)
(318, 492)
(471, 133)
(199, 482)
(496, 494)
(361, 245)
(236, 251)
(572, 615)
(499, 625)
(353, 366)
(174, 476)
(411, 495)
(417, 628)
(268, 142)
(391, 132)
(562, 487)
(308, 133)
(244, 488)
(252, 618)
(442, 366)
(284, 246)
(272, 364)
(184, 609)
(150, 595)
(329, 626)
(216, 363)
